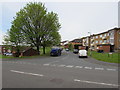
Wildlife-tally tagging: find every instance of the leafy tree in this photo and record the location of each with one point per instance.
(50, 31)
(70, 46)
(33, 25)
(14, 37)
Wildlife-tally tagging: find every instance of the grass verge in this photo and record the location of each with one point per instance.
(106, 57)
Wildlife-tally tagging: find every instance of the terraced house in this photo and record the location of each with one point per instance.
(108, 41)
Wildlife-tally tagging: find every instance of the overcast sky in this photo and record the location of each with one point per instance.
(76, 18)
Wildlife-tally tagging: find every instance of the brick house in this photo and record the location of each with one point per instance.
(64, 44)
(104, 47)
(5, 48)
(109, 41)
(76, 42)
(86, 42)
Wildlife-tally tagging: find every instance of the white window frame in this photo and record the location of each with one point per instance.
(105, 41)
(101, 35)
(101, 41)
(105, 35)
(96, 36)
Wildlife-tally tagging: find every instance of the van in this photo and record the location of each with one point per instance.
(82, 53)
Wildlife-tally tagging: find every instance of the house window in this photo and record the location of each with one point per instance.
(112, 41)
(105, 35)
(108, 34)
(105, 41)
(100, 35)
(96, 41)
(96, 36)
(100, 41)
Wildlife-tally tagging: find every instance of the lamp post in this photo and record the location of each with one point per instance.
(90, 43)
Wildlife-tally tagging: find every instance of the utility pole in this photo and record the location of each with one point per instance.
(90, 44)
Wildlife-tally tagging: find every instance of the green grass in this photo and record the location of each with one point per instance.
(106, 57)
(47, 51)
(3, 56)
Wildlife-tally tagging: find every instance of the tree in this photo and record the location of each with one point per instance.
(50, 31)
(14, 36)
(35, 26)
(70, 46)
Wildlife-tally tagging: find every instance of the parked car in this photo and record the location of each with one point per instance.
(61, 49)
(100, 51)
(82, 53)
(55, 52)
(8, 54)
(67, 49)
(75, 50)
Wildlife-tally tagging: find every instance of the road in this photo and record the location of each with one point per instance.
(65, 71)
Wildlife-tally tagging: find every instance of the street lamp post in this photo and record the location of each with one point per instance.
(90, 43)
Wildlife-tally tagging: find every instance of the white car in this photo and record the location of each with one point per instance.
(82, 53)
(8, 54)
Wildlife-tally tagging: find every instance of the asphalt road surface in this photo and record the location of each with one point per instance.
(65, 71)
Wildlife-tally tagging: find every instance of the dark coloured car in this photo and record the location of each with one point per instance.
(55, 52)
(75, 51)
(100, 51)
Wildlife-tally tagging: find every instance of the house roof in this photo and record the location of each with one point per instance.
(106, 31)
(64, 41)
(75, 40)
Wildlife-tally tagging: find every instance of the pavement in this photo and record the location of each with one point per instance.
(65, 71)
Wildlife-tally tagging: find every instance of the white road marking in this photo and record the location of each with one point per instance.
(20, 72)
(46, 64)
(77, 80)
(99, 68)
(88, 67)
(78, 66)
(52, 62)
(111, 69)
(69, 66)
(53, 65)
(61, 65)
